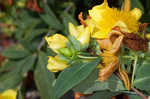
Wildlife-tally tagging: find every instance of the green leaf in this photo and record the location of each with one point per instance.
(92, 84)
(10, 80)
(95, 47)
(31, 46)
(7, 65)
(15, 75)
(76, 44)
(103, 95)
(34, 33)
(15, 53)
(28, 64)
(134, 96)
(143, 76)
(72, 76)
(50, 18)
(43, 78)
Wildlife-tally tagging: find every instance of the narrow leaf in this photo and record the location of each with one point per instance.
(43, 78)
(15, 53)
(137, 4)
(50, 18)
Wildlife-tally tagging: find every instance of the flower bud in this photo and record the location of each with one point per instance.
(73, 30)
(65, 51)
(56, 42)
(84, 37)
(55, 64)
(81, 33)
(8, 94)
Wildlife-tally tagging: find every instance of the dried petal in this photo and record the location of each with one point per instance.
(104, 44)
(80, 17)
(107, 58)
(117, 45)
(116, 37)
(142, 27)
(125, 78)
(108, 70)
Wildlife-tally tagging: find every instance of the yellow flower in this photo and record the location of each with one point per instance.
(21, 3)
(80, 32)
(8, 94)
(56, 42)
(148, 35)
(107, 18)
(2, 14)
(55, 64)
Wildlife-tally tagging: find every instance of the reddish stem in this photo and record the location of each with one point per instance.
(139, 93)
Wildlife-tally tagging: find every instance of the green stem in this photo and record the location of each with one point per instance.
(134, 69)
(128, 57)
(86, 57)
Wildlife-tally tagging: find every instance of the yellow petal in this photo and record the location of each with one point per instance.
(21, 3)
(73, 30)
(148, 35)
(80, 32)
(84, 37)
(106, 18)
(96, 12)
(93, 26)
(127, 5)
(122, 26)
(99, 35)
(8, 94)
(55, 64)
(56, 42)
(137, 13)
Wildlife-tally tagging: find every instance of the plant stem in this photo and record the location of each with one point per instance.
(86, 57)
(130, 57)
(69, 7)
(134, 69)
(139, 93)
(43, 40)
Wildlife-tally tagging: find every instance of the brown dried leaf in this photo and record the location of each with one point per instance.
(135, 42)
(33, 5)
(142, 27)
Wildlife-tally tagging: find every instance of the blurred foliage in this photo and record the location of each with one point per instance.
(28, 26)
